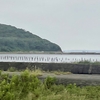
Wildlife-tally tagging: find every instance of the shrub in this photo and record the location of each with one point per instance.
(49, 81)
(12, 69)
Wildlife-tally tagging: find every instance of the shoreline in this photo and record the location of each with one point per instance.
(31, 52)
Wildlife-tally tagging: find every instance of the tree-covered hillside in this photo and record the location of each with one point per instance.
(14, 39)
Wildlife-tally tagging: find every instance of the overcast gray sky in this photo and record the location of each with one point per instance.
(72, 24)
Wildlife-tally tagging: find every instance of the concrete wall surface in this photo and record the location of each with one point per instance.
(66, 67)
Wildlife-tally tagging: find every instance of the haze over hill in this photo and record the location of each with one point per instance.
(13, 39)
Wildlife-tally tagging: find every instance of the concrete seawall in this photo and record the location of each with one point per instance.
(66, 67)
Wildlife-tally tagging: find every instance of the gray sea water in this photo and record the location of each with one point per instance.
(48, 58)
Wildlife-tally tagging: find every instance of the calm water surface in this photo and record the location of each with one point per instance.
(47, 58)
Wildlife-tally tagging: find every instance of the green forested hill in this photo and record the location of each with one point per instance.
(14, 39)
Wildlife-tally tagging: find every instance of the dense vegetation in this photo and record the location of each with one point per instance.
(14, 39)
(28, 87)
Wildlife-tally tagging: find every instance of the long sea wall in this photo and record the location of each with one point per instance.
(66, 67)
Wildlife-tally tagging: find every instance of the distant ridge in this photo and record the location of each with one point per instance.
(13, 39)
(82, 51)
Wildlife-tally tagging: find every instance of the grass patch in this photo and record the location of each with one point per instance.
(61, 73)
(35, 72)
